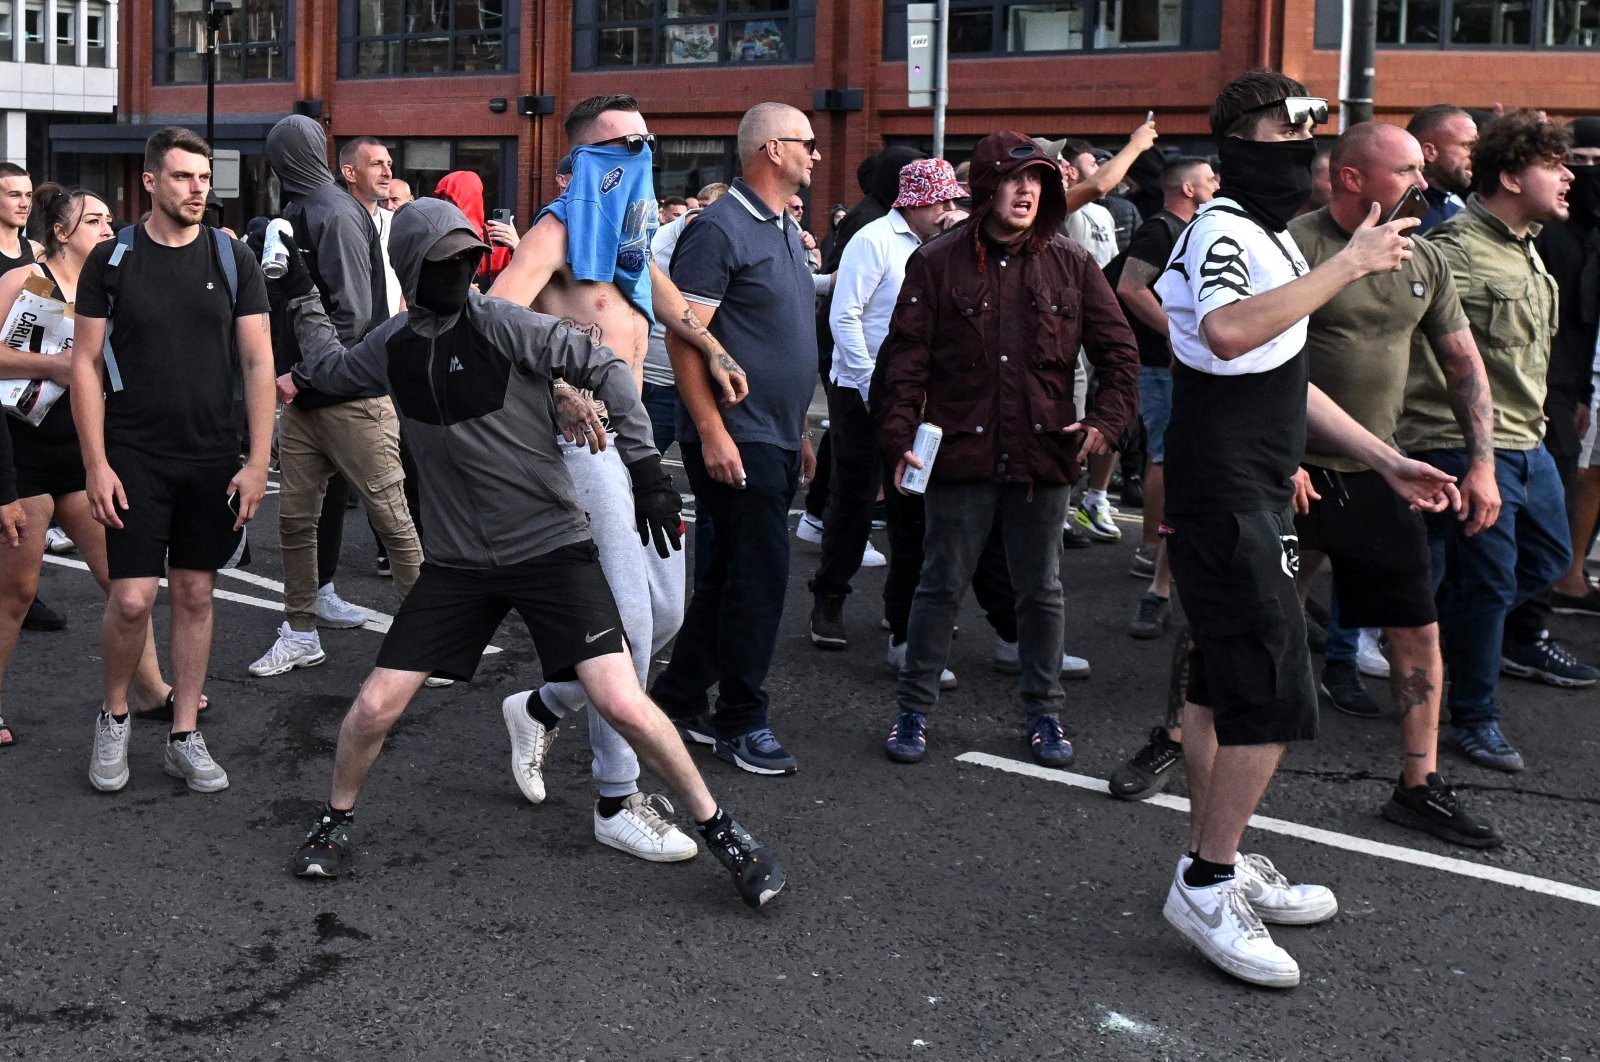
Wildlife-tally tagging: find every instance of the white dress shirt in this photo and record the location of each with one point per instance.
(865, 290)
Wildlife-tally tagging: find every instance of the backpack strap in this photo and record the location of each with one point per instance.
(230, 265)
(118, 253)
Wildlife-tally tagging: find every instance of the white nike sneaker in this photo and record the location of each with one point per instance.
(1006, 661)
(292, 649)
(1221, 923)
(896, 659)
(809, 530)
(1370, 660)
(334, 611)
(530, 745)
(1277, 900)
(871, 558)
(641, 829)
(56, 541)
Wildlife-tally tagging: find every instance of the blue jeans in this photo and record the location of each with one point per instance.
(1155, 409)
(661, 402)
(1342, 642)
(1482, 578)
(730, 630)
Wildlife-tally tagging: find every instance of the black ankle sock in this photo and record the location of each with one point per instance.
(1202, 874)
(123, 718)
(331, 812)
(541, 714)
(709, 826)
(177, 736)
(607, 807)
(1193, 855)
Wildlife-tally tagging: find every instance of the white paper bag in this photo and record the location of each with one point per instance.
(37, 324)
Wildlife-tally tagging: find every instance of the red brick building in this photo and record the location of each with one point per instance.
(482, 84)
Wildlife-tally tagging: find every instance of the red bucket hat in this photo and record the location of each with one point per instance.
(926, 182)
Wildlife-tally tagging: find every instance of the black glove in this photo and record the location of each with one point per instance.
(656, 504)
(296, 281)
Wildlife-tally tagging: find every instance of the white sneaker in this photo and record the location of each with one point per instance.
(334, 611)
(1221, 923)
(530, 745)
(292, 649)
(108, 764)
(896, 659)
(1370, 660)
(56, 541)
(871, 558)
(1276, 900)
(809, 529)
(640, 829)
(436, 682)
(1097, 520)
(190, 760)
(1005, 661)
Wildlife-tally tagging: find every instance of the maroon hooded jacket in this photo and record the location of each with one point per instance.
(465, 189)
(984, 342)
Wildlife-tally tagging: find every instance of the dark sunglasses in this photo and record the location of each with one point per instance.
(810, 142)
(1301, 109)
(635, 142)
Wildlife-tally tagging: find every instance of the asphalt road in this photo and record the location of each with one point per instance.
(948, 910)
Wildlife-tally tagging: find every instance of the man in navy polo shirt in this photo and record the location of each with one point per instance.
(743, 267)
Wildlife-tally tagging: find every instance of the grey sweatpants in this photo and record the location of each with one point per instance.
(649, 592)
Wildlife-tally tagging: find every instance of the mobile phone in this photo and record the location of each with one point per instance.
(1412, 205)
(502, 215)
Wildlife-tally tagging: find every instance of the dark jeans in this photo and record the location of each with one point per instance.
(1343, 642)
(661, 402)
(330, 529)
(1482, 578)
(960, 518)
(731, 627)
(907, 523)
(848, 520)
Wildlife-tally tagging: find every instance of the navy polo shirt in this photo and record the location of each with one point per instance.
(745, 259)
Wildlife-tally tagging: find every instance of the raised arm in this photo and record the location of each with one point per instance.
(542, 251)
(1104, 181)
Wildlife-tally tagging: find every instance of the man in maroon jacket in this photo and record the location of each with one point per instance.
(983, 343)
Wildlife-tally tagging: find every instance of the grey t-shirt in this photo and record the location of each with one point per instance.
(745, 259)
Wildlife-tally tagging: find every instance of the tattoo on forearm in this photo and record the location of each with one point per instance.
(1474, 409)
(1413, 691)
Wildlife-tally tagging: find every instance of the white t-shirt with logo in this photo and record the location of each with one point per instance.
(1222, 258)
(1093, 228)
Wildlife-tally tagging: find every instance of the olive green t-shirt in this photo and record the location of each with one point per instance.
(1359, 342)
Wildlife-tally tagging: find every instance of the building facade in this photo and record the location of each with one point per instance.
(58, 63)
(482, 84)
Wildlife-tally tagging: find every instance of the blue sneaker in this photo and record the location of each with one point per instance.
(696, 730)
(1485, 745)
(757, 752)
(1048, 742)
(908, 738)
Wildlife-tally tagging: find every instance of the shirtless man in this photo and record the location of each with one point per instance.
(587, 261)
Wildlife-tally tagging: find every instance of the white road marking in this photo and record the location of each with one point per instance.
(1378, 849)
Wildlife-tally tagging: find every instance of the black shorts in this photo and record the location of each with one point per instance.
(56, 472)
(451, 613)
(1236, 575)
(1382, 568)
(179, 515)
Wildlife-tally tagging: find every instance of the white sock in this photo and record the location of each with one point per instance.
(1093, 499)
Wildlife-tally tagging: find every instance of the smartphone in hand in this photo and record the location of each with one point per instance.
(502, 215)
(1412, 205)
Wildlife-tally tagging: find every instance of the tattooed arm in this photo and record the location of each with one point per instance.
(1470, 399)
(578, 416)
(675, 313)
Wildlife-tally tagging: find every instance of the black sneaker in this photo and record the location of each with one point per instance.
(1585, 604)
(1341, 684)
(322, 854)
(1145, 773)
(1150, 619)
(1048, 742)
(383, 566)
(1549, 662)
(41, 617)
(1074, 536)
(756, 875)
(827, 622)
(1434, 808)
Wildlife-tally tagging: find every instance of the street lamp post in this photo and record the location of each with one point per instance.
(216, 11)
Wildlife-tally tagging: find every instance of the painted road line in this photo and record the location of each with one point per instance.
(1348, 843)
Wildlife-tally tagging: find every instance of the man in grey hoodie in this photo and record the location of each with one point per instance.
(471, 377)
(320, 435)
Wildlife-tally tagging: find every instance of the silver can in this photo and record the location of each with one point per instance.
(926, 447)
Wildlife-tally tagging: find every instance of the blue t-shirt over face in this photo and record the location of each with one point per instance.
(610, 213)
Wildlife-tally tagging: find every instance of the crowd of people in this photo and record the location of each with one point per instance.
(1378, 350)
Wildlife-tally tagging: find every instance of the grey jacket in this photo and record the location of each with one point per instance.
(473, 393)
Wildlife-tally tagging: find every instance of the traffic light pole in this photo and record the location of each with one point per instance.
(941, 90)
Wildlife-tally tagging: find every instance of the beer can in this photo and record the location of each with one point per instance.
(926, 447)
(274, 255)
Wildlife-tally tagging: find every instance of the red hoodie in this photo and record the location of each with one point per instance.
(465, 189)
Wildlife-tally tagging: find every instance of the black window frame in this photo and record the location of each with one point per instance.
(1200, 30)
(164, 48)
(504, 188)
(587, 27)
(350, 44)
(1329, 13)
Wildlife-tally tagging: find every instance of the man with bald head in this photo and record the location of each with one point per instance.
(399, 194)
(743, 267)
(1359, 347)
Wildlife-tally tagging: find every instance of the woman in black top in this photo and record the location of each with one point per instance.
(43, 471)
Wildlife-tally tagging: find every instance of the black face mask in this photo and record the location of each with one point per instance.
(1271, 179)
(442, 286)
(1583, 198)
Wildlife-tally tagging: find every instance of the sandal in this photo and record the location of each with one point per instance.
(163, 712)
(7, 738)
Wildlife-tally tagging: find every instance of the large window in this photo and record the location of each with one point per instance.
(96, 25)
(691, 32)
(422, 161)
(1007, 27)
(255, 43)
(66, 38)
(1485, 23)
(393, 38)
(684, 165)
(33, 31)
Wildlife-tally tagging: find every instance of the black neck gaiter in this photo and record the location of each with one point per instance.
(1271, 179)
(442, 286)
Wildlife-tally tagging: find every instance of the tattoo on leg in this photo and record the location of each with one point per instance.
(1413, 691)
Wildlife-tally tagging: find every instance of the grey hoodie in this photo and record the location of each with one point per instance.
(473, 393)
(335, 231)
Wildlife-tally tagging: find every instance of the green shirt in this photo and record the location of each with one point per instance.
(1510, 300)
(1359, 343)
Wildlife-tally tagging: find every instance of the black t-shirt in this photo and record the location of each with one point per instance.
(173, 336)
(24, 256)
(1152, 244)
